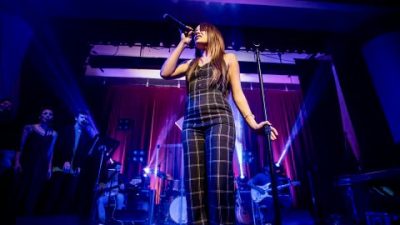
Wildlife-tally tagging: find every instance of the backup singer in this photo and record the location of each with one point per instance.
(74, 144)
(208, 132)
(72, 184)
(33, 161)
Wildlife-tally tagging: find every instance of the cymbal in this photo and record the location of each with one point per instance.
(161, 174)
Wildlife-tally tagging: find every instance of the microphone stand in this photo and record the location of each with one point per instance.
(181, 191)
(95, 195)
(267, 131)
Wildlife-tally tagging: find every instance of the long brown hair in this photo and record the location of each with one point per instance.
(216, 48)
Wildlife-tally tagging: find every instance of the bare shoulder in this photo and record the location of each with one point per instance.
(28, 127)
(229, 58)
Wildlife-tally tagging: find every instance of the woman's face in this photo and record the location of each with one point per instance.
(200, 37)
(46, 116)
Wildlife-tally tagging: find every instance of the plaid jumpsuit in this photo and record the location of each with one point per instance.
(208, 138)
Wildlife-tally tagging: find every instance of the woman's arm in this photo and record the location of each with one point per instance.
(169, 68)
(239, 97)
(51, 153)
(25, 133)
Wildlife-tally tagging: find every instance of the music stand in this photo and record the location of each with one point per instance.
(106, 146)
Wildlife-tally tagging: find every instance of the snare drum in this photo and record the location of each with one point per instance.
(178, 210)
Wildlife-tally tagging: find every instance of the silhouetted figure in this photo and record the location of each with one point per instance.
(111, 193)
(33, 161)
(262, 198)
(8, 146)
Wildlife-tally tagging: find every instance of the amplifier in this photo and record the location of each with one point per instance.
(139, 208)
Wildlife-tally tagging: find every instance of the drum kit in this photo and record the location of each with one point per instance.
(172, 207)
(167, 204)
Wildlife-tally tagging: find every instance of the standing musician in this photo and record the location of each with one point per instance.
(71, 159)
(74, 144)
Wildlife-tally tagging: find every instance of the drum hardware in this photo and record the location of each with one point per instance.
(172, 194)
(169, 190)
(172, 209)
(175, 185)
(178, 207)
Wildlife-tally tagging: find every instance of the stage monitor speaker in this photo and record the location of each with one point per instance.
(139, 208)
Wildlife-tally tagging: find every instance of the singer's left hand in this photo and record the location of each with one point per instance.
(274, 132)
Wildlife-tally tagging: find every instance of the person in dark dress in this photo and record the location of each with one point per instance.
(33, 161)
(208, 132)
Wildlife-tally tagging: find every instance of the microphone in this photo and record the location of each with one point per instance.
(181, 26)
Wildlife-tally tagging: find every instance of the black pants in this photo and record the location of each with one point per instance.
(209, 175)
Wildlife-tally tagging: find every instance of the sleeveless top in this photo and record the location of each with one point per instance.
(206, 104)
(35, 155)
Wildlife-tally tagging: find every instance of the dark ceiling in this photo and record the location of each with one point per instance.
(279, 25)
(323, 15)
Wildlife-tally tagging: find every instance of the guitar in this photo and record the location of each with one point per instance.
(105, 188)
(257, 196)
(70, 171)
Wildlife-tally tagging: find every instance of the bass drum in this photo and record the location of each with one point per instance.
(178, 210)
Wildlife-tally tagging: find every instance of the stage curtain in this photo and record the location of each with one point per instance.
(153, 112)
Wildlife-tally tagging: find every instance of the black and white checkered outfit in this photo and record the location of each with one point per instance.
(208, 140)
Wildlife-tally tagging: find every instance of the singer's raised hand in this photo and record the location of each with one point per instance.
(186, 37)
(170, 68)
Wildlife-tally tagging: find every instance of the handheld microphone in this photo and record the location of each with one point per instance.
(181, 26)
